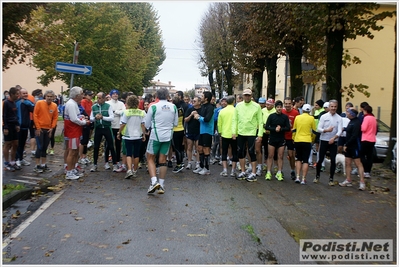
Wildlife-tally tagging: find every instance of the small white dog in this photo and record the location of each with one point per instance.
(340, 163)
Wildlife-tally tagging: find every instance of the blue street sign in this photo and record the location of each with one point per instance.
(73, 68)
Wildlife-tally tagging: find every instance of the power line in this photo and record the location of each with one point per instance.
(171, 48)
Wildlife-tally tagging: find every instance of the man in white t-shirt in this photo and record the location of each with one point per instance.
(161, 117)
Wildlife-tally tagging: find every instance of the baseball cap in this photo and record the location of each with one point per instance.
(326, 105)
(113, 91)
(261, 100)
(88, 92)
(278, 103)
(307, 108)
(270, 101)
(247, 92)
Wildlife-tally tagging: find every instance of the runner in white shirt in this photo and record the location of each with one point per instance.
(161, 118)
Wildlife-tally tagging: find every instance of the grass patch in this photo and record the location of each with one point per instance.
(8, 188)
(59, 138)
(60, 118)
(250, 230)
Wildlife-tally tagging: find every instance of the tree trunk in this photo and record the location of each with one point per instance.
(258, 77)
(393, 132)
(218, 82)
(295, 53)
(229, 79)
(211, 81)
(335, 48)
(271, 67)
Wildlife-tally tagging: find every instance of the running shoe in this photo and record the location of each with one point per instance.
(279, 176)
(161, 189)
(241, 176)
(106, 166)
(362, 186)
(251, 178)
(204, 171)
(129, 174)
(178, 168)
(224, 173)
(153, 187)
(345, 183)
(93, 168)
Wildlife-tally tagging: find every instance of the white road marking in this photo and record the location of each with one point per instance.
(30, 177)
(23, 181)
(31, 218)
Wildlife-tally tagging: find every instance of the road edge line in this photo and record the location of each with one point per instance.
(33, 217)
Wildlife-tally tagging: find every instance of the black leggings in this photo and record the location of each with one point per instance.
(42, 142)
(323, 147)
(22, 136)
(52, 138)
(367, 155)
(242, 143)
(226, 142)
(117, 149)
(143, 148)
(98, 135)
(177, 145)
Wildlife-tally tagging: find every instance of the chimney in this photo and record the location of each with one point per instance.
(170, 83)
(158, 80)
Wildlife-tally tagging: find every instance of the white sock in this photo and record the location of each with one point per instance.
(162, 182)
(153, 180)
(76, 164)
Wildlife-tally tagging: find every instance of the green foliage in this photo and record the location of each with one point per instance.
(13, 46)
(191, 93)
(8, 188)
(108, 40)
(352, 88)
(145, 21)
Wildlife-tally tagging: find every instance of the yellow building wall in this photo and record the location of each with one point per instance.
(26, 76)
(377, 67)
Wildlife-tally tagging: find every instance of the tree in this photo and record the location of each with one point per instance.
(217, 48)
(346, 21)
(262, 32)
(394, 110)
(108, 42)
(145, 21)
(13, 46)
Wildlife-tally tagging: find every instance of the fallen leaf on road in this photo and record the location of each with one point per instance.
(9, 259)
(197, 235)
(165, 249)
(78, 218)
(126, 242)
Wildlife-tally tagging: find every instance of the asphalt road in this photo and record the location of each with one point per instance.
(104, 219)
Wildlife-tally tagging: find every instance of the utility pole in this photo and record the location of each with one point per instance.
(74, 60)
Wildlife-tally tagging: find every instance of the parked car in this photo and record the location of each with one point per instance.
(382, 141)
(393, 160)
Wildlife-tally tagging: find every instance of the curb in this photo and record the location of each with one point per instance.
(14, 196)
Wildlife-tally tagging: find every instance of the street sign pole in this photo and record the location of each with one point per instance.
(74, 60)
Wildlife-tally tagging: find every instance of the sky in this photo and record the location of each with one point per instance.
(179, 22)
